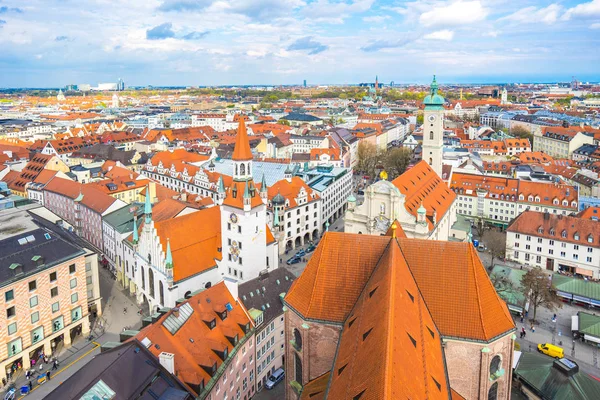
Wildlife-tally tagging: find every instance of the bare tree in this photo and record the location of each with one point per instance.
(495, 241)
(536, 286)
(368, 157)
(396, 160)
(502, 283)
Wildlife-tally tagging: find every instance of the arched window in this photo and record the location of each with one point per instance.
(242, 169)
(430, 135)
(208, 284)
(143, 279)
(495, 365)
(493, 393)
(236, 169)
(382, 208)
(151, 282)
(249, 169)
(161, 293)
(430, 161)
(298, 364)
(297, 339)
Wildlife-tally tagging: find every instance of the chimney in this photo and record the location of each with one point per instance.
(176, 312)
(167, 360)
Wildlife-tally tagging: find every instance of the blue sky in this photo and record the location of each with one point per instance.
(51, 43)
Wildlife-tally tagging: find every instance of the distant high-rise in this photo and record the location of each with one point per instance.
(120, 85)
(305, 83)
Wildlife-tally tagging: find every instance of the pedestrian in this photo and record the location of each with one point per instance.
(3, 382)
(55, 365)
(30, 386)
(45, 359)
(524, 334)
(521, 317)
(48, 375)
(533, 328)
(27, 375)
(125, 310)
(33, 363)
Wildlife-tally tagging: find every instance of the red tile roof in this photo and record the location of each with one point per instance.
(291, 190)
(242, 145)
(196, 346)
(195, 241)
(421, 185)
(576, 230)
(449, 275)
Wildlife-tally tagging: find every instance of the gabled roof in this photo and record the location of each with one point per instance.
(390, 347)
(291, 190)
(422, 186)
(195, 240)
(450, 276)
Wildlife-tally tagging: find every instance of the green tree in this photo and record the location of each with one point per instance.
(283, 121)
(522, 133)
(420, 118)
(536, 286)
(396, 161)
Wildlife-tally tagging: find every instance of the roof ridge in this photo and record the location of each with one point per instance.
(480, 319)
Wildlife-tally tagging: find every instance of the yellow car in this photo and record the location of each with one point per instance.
(551, 350)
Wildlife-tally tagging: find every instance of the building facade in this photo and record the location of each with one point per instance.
(558, 243)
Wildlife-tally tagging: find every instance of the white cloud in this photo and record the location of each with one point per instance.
(547, 15)
(324, 9)
(455, 13)
(595, 26)
(584, 11)
(492, 33)
(444, 34)
(376, 18)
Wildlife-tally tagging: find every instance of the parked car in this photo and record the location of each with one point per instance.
(293, 260)
(481, 247)
(361, 192)
(311, 248)
(301, 253)
(275, 378)
(551, 350)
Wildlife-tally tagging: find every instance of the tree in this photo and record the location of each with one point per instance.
(284, 122)
(367, 157)
(536, 286)
(495, 241)
(520, 132)
(420, 119)
(396, 160)
(502, 283)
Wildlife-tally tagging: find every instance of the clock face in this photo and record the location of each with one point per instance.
(431, 118)
(233, 218)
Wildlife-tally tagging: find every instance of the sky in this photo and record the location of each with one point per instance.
(52, 43)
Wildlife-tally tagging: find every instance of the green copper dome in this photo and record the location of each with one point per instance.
(433, 99)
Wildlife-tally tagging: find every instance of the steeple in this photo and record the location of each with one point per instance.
(221, 186)
(276, 216)
(287, 174)
(264, 190)
(148, 206)
(169, 256)
(242, 156)
(136, 237)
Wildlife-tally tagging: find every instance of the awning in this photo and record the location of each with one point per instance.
(575, 323)
(591, 338)
(516, 358)
(583, 271)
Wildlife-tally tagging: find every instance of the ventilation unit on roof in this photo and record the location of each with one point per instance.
(228, 307)
(47, 236)
(146, 342)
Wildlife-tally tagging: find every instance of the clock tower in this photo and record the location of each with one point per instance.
(433, 128)
(245, 251)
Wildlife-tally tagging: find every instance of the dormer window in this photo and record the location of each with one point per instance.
(564, 234)
(565, 203)
(552, 231)
(576, 236)
(530, 198)
(223, 315)
(590, 239)
(540, 230)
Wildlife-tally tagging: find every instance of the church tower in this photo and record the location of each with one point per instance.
(504, 97)
(243, 218)
(433, 128)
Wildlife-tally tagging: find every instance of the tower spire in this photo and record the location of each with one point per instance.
(136, 237)
(169, 256)
(148, 206)
(242, 144)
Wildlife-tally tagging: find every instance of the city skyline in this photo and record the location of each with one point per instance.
(282, 42)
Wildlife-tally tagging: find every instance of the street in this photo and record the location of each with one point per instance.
(277, 393)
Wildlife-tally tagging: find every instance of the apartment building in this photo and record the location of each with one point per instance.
(558, 243)
(499, 200)
(263, 298)
(44, 291)
(560, 142)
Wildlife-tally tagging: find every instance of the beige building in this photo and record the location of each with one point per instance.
(44, 291)
(560, 143)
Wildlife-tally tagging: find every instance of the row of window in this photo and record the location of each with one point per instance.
(9, 295)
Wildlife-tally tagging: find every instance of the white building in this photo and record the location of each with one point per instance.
(499, 200)
(296, 210)
(418, 199)
(433, 129)
(555, 243)
(219, 122)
